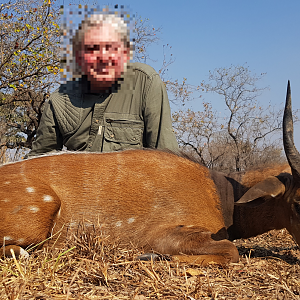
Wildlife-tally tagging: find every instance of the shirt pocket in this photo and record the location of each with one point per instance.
(120, 133)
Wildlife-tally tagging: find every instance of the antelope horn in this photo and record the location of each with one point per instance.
(291, 152)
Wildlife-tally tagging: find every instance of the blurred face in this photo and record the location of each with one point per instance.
(102, 56)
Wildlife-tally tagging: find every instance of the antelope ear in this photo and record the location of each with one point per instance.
(263, 191)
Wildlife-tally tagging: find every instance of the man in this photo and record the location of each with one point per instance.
(114, 104)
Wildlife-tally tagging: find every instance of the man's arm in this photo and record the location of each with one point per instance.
(48, 137)
(157, 117)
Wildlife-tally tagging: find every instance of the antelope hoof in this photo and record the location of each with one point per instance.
(9, 251)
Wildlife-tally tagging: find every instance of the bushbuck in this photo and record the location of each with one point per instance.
(257, 201)
(156, 200)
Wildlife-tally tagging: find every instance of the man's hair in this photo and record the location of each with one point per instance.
(99, 20)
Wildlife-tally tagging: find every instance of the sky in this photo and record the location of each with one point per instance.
(207, 34)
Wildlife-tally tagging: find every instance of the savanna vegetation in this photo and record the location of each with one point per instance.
(91, 266)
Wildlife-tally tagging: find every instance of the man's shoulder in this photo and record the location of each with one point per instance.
(66, 104)
(66, 98)
(66, 91)
(144, 68)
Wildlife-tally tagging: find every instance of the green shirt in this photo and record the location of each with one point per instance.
(135, 114)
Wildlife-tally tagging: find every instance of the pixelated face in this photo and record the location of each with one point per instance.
(102, 56)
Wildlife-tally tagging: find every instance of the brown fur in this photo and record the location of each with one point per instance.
(157, 200)
(252, 177)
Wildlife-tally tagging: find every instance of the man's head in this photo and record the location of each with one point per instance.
(102, 49)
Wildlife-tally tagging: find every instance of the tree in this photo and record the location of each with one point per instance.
(146, 35)
(243, 134)
(196, 130)
(29, 65)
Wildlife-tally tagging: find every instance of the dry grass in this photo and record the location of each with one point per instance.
(98, 269)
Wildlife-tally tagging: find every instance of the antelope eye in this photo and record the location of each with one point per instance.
(297, 207)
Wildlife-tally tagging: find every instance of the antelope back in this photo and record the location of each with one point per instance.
(132, 195)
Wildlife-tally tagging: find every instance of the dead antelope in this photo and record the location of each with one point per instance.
(157, 200)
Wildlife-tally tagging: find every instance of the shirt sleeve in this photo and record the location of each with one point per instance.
(157, 117)
(48, 137)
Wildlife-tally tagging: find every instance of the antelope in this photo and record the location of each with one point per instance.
(156, 200)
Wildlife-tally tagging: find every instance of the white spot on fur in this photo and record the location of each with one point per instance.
(189, 226)
(119, 224)
(33, 209)
(130, 220)
(8, 238)
(272, 195)
(47, 198)
(24, 253)
(7, 182)
(5, 200)
(30, 189)
(20, 241)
